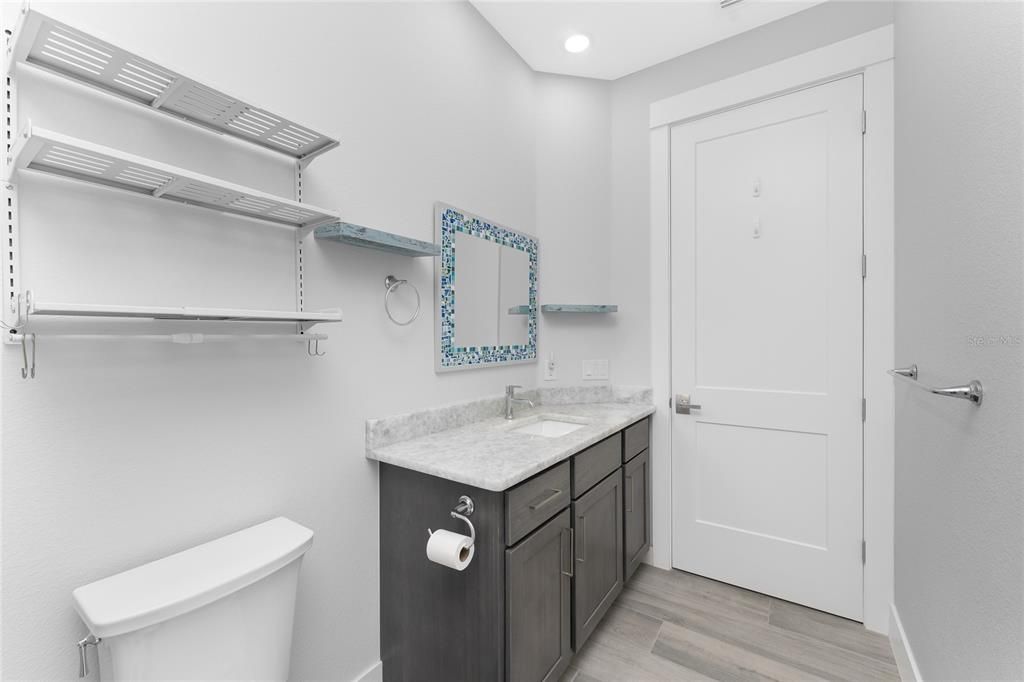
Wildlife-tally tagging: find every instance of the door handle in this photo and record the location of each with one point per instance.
(572, 552)
(629, 494)
(683, 404)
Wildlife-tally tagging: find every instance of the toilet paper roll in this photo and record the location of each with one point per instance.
(450, 549)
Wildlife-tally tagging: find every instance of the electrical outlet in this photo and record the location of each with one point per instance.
(595, 370)
(550, 369)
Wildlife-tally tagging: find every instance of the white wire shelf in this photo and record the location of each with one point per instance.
(33, 308)
(58, 48)
(50, 152)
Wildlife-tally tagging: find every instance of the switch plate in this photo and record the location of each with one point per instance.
(595, 370)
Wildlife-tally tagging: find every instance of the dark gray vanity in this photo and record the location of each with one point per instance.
(552, 554)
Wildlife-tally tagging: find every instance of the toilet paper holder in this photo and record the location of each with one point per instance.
(463, 510)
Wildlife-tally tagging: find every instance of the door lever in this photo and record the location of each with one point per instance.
(683, 404)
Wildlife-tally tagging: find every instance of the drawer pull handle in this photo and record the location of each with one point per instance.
(572, 550)
(547, 500)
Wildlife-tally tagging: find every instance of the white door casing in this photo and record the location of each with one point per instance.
(767, 325)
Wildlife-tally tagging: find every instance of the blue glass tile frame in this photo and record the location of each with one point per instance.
(447, 221)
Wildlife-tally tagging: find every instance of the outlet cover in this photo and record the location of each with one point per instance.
(550, 369)
(595, 370)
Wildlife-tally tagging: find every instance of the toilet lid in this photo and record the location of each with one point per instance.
(182, 582)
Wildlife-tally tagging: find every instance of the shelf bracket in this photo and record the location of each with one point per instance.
(11, 260)
(300, 236)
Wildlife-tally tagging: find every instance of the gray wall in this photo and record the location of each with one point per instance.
(630, 143)
(120, 453)
(959, 262)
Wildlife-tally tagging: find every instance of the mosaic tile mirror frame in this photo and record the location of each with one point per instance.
(486, 286)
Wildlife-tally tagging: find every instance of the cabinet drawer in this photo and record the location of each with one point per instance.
(593, 464)
(532, 503)
(638, 439)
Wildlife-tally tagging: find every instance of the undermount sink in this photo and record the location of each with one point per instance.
(550, 428)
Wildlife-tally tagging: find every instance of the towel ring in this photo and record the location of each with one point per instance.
(392, 283)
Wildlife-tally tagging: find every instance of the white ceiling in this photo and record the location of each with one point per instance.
(625, 36)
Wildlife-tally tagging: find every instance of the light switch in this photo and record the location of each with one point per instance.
(595, 370)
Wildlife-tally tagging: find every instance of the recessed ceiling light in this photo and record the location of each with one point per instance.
(577, 43)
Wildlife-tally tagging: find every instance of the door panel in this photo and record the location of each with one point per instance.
(538, 606)
(636, 502)
(767, 337)
(597, 520)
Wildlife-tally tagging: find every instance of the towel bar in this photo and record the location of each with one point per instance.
(972, 390)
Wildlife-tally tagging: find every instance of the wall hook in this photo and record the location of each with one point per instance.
(313, 349)
(28, 370)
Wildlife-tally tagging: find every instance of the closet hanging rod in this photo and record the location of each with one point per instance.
(972, 390)
(60, 49)
(183, 339)
(28, 306)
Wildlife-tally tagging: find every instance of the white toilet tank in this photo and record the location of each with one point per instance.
(219, 611)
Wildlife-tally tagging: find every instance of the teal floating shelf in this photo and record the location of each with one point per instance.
(519, 310)
(574, 308)
(357, 235)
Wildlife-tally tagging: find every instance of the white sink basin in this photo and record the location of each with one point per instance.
(550, 428)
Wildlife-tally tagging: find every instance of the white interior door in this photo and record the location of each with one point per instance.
(767, 320)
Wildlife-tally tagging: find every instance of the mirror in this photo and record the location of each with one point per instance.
(487, 292)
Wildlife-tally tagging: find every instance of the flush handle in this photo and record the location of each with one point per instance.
(83, 658)
(683, 404)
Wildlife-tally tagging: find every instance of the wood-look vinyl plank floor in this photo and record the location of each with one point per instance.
(675, 626)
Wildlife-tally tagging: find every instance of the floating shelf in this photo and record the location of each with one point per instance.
(367, 237)
(182, 313)
(574, 308)
(58, 48)
(49, 152)
(519, 310)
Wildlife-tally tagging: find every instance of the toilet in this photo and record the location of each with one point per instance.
(219, 611)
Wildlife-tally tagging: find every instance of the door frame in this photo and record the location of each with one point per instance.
(870, 54)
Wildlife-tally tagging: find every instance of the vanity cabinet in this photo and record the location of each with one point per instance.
(538, 573)
(637, 510)
(552, 554)
(598, 580)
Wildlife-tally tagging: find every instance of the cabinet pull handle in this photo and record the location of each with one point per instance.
(572, 551)
(629, 494)
(583, 543)
(547, 500)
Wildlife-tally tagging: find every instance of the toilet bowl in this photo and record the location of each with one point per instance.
(220, 611)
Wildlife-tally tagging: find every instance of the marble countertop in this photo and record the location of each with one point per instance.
(489, 454)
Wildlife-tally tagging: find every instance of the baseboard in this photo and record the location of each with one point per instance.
(905, 661)
(374, 674)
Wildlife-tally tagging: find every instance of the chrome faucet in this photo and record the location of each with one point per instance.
(511, 400)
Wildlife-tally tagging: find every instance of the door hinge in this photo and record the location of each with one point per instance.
(863, 266)
(863, 409)
(863, 551)
(863, 122)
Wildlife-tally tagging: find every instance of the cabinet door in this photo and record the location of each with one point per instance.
(538, 607)
(597, 522)
(636, 494)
